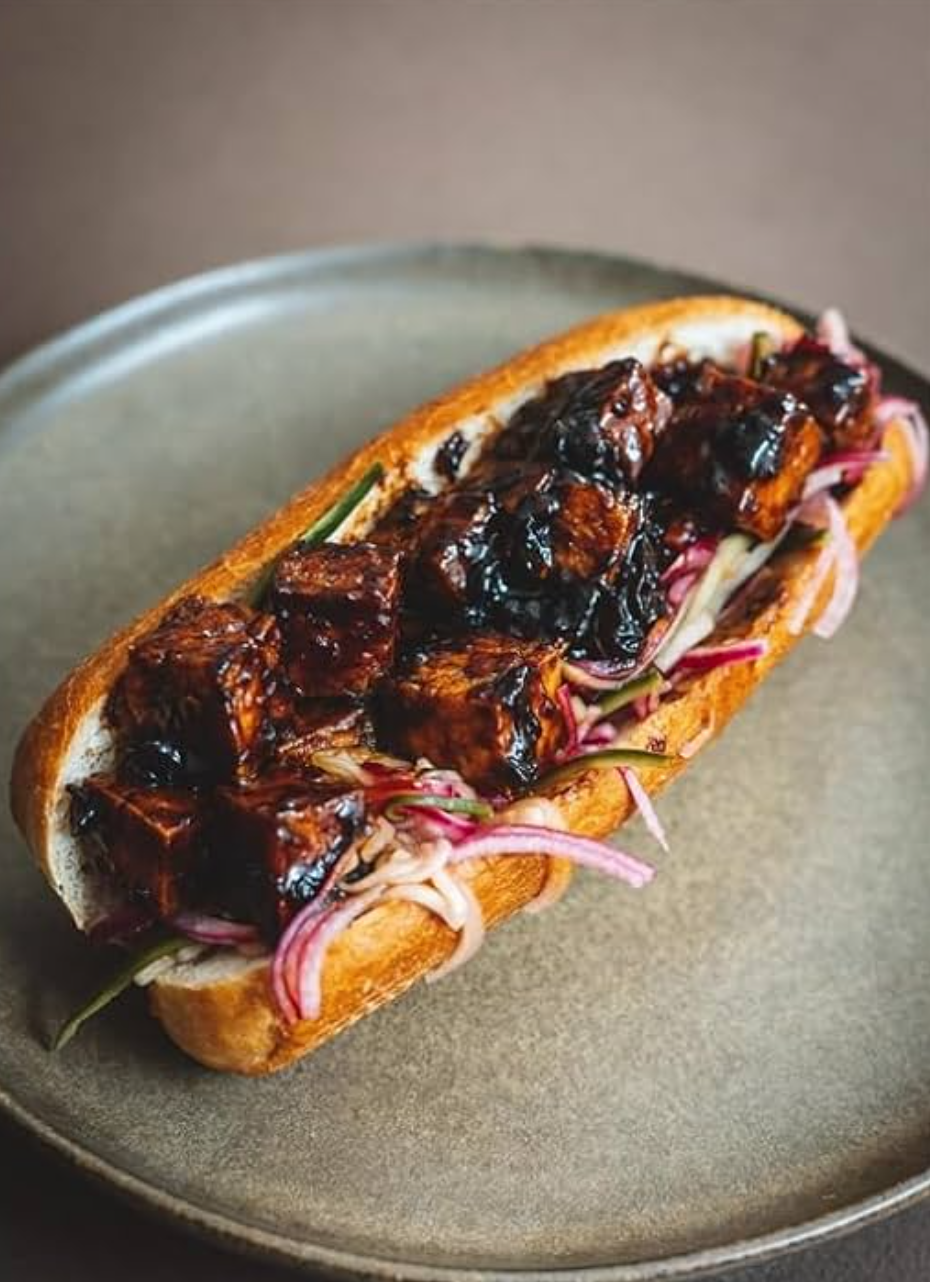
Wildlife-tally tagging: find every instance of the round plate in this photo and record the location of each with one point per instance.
(641, 1084)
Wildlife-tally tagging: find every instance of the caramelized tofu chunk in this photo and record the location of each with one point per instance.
(337, 608)
(737, 454)
(840, 396)
(276, 840)
(454, 552)
(633, 600)
(556, 525)
(202, 681)
(150, 837)
(593, 527)
(398, 527)
(485, 707)
(601, 423)
(322, 725)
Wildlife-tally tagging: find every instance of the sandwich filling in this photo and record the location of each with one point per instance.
(388, 708)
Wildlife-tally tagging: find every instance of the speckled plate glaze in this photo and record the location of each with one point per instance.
(637, 1085)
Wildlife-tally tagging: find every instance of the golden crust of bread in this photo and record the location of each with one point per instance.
(232, 1024)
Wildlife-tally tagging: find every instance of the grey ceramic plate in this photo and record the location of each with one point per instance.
(643, 1084)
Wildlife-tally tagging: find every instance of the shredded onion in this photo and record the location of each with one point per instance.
(646, 705)
(564, 699)
(805, 603)
(284, 962)
(471, 936)
(312, 946)
(833, 332)
(427, 897)
(342, 766)
(599, 734)
(909, 416)
(431, 822)
(706, 658)
(214, 930)
(404, 866)
(525, 839)
(577, 675)
(696, 557)
(679, 588)
(847, 465)
(643, 803)
(845, 574)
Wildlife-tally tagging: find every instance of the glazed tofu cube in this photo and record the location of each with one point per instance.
(150, 837)
(399, 526)
(602, 423)
(592, 529)
(485, 707)
(737, 455)
(453, 552)
(275, 841)
(322, 725)
(202, 680)
(337, 608)
(552, 526)
(840, 396)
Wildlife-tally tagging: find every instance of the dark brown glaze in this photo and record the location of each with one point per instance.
(200, 684)
(485, 706)
(600, 423)
(737, 453)
(527, 550)
(399, 526)
(337, 609)
(151, 839)
(275, 841)
(453, 554)
(449, 456)
(322, 725)
(840, 396)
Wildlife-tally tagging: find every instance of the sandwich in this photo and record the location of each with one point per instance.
(413, 700)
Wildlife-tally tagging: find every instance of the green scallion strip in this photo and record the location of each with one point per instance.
(451, 805)
(635, 689)
(116, 985)
(331, 520)
(323, 526)
(761, 346)
(609, 759)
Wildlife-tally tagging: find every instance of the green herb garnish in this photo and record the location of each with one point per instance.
(323, 526)
(609, 759)
(451, 805)
(116, 985)
(635, 689)
(762, 345)
(331, 520)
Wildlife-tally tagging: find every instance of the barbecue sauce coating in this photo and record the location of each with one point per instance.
(601, 423)
(150, 838)
(199, 685)
(442, 634)
(535, 552)
(337, 608)
(737, 452)
(840, 396)
(322, 725)
(276, 840)
(485, 706)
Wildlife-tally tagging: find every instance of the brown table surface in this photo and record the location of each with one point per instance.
(781, 145)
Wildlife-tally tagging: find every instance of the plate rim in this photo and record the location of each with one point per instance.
(65, 353)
